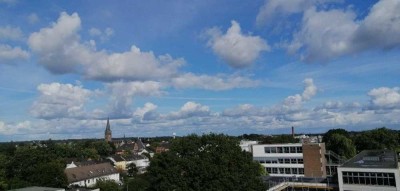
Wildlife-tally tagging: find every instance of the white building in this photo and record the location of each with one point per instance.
(246, 145)
(370, 170)
(86, 176)
(292, 159)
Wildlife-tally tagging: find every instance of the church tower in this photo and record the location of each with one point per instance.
(107, 133)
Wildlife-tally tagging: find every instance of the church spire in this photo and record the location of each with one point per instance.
(108, 124)
(107, 133)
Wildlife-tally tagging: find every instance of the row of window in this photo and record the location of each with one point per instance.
(285, 170)
(283, 149)
(280, 161)
(369, 178)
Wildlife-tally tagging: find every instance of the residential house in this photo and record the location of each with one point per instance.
(86, 176)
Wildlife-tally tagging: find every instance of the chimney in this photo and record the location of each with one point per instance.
(292, 131)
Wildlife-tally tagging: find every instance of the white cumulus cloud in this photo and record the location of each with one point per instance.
(60, 51)
(326, 34)
(60, 100)
(9, 54)
(123, 93)
(385, 98)
(236, 49)
(10, 33)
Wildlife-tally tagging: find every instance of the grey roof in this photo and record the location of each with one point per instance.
(373, 159)
(140, 144)
(37, 188)
(90, 171)
(134, 157)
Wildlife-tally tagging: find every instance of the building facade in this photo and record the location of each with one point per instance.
(293, 159)
(370, 170)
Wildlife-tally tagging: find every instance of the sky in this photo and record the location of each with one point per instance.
(155, 68)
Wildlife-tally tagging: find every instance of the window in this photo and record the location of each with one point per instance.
(287, 161)
(273, 149)
(293, 161)
(292, 149)
(299, 149)
(369, 178)
(279, 149)
(287, 170)
(269, 170)
(280, 161)
(300, 161)
(267, 150)
(274, 170)
(301, 170)
(286, 149)
(281, 170)
(294, 170)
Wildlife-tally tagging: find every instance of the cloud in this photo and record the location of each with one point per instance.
(58, 47)
(10, 33)
(60, 51)
(9, 54)
(295, 101)
(122, 94)
(328, 34)
(385, 98)
(236, 49)
(190, 109)
(147, 112)
(219, 82)
(381, 27)
(102, 35)
(310, 89)
(60, 100)
(33, 18)
(273, 9)
(324, 35)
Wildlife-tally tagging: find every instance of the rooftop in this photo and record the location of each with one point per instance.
(36, 188)
(373, 159)
(90, 171)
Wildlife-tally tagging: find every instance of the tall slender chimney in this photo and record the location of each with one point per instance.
(292, 131)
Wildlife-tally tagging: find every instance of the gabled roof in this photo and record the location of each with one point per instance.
(140, 145)
(88, 172)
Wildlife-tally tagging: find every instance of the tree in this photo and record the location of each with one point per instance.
(280, 139)
(341, 145)
(209, 162)
(137, 183)
(381, 138)
(132, 169)
(107, 185)
(328, 135)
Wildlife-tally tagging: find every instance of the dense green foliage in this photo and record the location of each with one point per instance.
(209, 162)
(43, 164)
(381, 138)
(341, 145)
(138, 183)
(107, 185)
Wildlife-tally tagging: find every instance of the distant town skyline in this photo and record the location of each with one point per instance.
(161, 67)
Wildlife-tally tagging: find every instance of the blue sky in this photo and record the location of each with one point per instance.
(234, 67)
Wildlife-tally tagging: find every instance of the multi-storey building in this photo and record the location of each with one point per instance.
(370, 170)
(296, 159)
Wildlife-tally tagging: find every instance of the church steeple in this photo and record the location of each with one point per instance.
(107, 133)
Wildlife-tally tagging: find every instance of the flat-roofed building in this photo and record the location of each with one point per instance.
(370, 170)
(292, 159)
